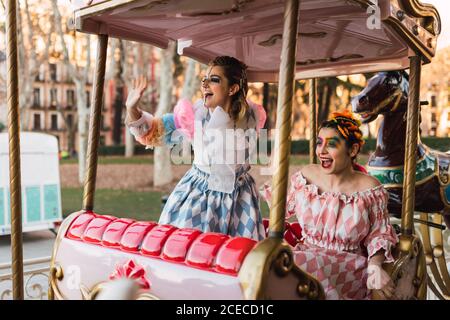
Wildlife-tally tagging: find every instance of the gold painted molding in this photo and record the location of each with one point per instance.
(432, 19)
(408, 254)
(55, 269)
(56, 274)
(273, 257)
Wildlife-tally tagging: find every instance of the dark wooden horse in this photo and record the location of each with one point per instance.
(387, 94)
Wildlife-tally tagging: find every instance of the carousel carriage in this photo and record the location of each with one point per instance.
(313, 39)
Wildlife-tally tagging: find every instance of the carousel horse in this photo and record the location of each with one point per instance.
(387, 94)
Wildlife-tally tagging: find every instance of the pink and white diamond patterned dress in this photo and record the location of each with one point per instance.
(339, 233)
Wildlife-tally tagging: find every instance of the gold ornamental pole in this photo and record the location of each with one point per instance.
(312, 121)
(283, 124)
(412, 131)
(94, 123)
(12, 98)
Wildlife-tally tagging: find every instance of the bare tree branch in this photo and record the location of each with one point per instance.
(58, 25)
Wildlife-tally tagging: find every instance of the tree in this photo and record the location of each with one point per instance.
(191, 80)
(80, 75)
(136, 58)
(118, 57)
(162, 163)
(37, 31)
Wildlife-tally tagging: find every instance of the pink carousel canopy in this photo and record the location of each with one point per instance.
(334, 37)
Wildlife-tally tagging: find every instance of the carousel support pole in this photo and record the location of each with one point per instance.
(283, 124)
(14, 150)
(94, 123)
(412, 131)
(312, 121)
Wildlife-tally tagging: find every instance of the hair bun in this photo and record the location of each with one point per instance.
(345, 115)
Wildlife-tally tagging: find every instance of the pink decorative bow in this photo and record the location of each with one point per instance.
(132, 271)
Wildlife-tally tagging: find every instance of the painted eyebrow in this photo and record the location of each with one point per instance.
(211, 75)
(335, 139)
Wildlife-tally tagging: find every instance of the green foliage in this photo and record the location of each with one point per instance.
(2, 126)
(120, 203)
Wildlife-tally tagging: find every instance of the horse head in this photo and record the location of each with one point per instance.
(385, 92)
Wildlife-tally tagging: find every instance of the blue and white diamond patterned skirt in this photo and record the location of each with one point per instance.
(192, 205)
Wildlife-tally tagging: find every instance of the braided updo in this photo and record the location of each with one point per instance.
(347, 125)
(236, 73)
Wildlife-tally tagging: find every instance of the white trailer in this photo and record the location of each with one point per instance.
(41, 187)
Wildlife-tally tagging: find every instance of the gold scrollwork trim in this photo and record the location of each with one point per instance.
(409, 250)
(432, 19)
(56, 274)
(275, 255)
(91, 294)
(419, 47)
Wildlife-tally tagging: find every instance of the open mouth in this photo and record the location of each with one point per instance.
(326, 163)
(207, 95)
(367, 116)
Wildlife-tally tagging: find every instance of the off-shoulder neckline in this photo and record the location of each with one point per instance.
(343, 196)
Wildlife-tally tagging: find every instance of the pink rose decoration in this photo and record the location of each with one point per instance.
(132, 271)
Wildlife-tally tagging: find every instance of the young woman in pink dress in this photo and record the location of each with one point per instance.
(346, 234)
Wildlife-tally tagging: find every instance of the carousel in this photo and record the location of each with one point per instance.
(280, 41)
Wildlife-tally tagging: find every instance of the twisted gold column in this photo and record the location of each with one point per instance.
(283, 124)
(94, 123)
(312, 121)
(412, 131)
(12, 97)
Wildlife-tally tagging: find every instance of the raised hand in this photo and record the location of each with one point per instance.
(135, 94)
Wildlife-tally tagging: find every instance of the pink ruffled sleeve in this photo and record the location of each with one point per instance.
(382, 234)
(260, 113)
(184, 117)
(266, 193)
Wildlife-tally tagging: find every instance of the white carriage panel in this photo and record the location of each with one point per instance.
(87, 265)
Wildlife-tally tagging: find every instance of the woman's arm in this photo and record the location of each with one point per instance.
(379, 280)
(139, 86)
(379, 243)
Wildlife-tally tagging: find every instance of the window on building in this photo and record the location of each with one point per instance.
(433, 117)
(433, 101)
(37, 121)
(52, 68)
(54, 122)
(102, 123)
(69, 121)
(36, 97)
(70, 98)
(102, 140)
(53, 96)
(88, 98)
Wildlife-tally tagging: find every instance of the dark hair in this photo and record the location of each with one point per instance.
(236, 73)
(345, 123)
